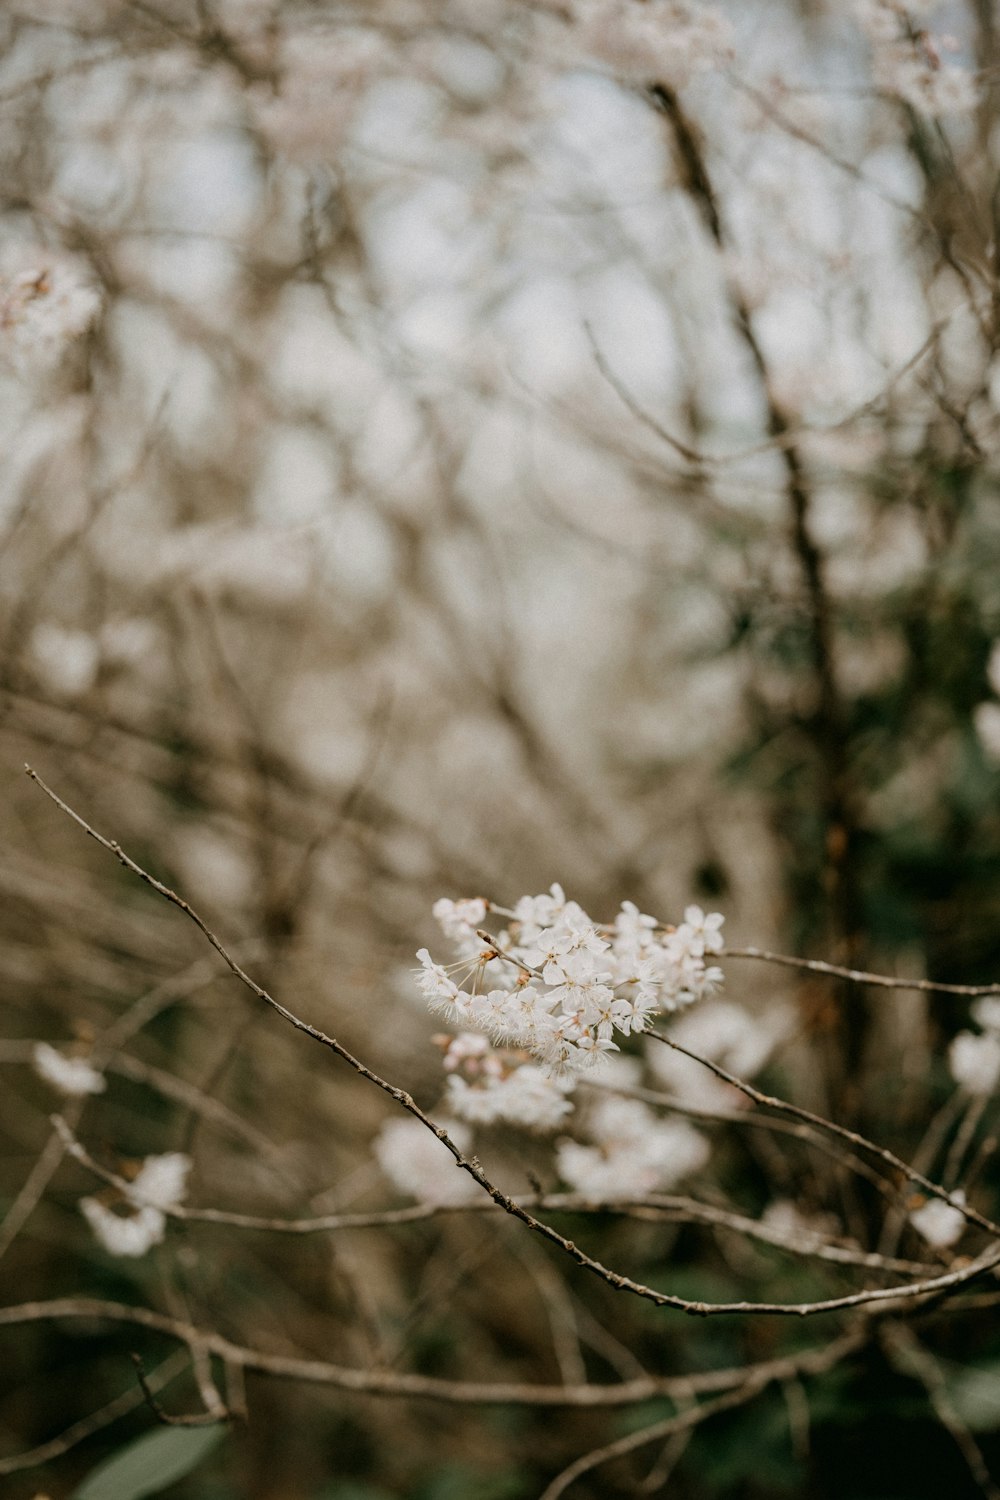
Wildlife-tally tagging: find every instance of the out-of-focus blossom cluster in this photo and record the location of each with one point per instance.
(323, 78)
(629, 1152)
(657, 42)
(938, 1222)
(138, 1221)
(44, 307)
(68, 661)
(974, 1056)
(908, 62)
(558, 987)
(73, 1076)
(786, 1220)
(417, 1163)
(727, 1035)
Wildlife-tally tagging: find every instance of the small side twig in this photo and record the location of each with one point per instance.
(167, 1419)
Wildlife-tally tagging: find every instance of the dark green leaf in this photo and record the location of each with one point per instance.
(150, 1464)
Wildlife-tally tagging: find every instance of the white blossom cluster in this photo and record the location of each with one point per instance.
(139, 1222)
(663, 41)
(559, 988)
(42, 308)
(907, 61)
(537, 1004)
(323, 81)
(630, 1152)
(974, 1056)
(486, 1085)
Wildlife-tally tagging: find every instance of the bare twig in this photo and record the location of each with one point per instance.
(815, 1363)
(860, 1141)
(861, 976)
(77, 1432)
(191, 1419)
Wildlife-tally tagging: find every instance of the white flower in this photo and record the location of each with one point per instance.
(434, 982)
(912, 70)
(527, 1096)
(459, 919)
(467, 1050)
(417, 1163)
(939, 1223)
(72, 1076)
(129, 1234)
(161, 1181)
(586, 983)
(534, 913)
(43, 308)
(880, 20)
(706, 928)
(784, 1218)
(159, 1186)
(975, 1061)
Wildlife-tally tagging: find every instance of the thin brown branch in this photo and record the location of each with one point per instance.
(769, 1101)
(816, 1362)
(165, 1418)
(402, 1384)
(861, 976)
(103, 1417)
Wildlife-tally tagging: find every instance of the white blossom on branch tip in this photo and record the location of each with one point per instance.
(138, 1221)
(73, 1076)
(161, 1181)
(974, 1061)
(559, 986)
(131, 1235)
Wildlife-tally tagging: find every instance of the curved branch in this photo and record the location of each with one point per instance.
(431, 1387)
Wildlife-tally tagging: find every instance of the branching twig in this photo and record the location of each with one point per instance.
(860, 1141)
(165, 1418)
(615, 1279)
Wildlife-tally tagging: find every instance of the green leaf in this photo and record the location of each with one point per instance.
(150, 1464)
(975, 1395)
